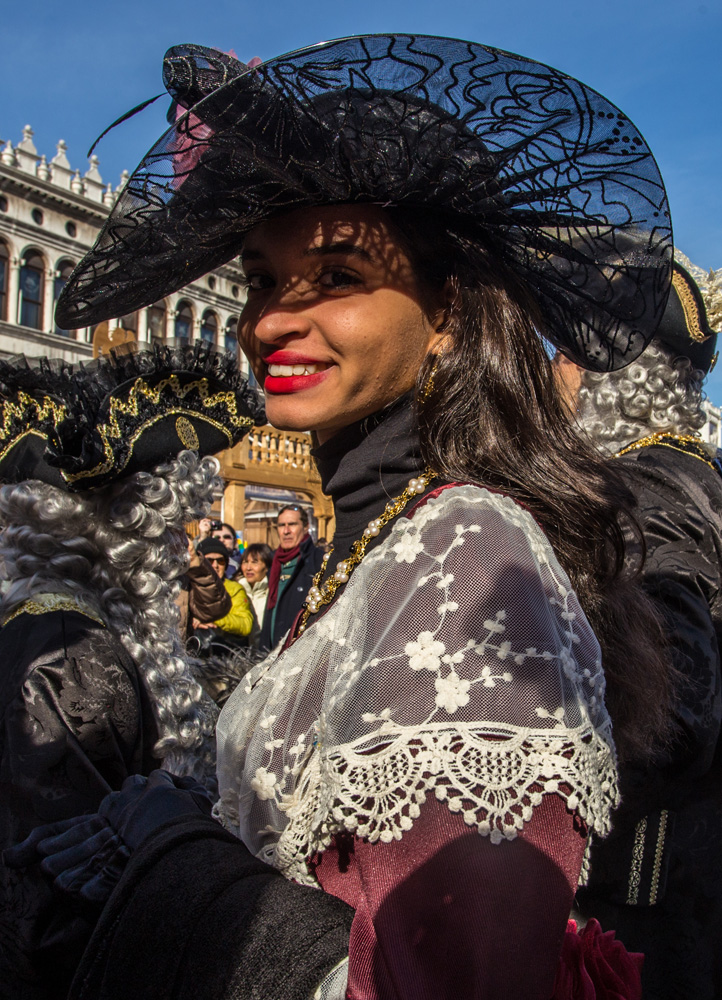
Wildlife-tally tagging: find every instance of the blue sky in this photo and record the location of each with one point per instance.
(71, 68)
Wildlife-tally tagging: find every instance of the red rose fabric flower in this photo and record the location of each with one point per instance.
(595, 966)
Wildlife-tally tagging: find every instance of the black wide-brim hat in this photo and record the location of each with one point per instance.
(82, 427)
(559, 183)
(685, 327)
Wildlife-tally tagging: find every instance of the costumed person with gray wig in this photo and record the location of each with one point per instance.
(103, 467)
(658, 878)
(430, 743)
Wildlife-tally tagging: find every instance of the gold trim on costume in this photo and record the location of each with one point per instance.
(665, 439)
(690, 308)
(635, 872)
(187, 434)
(659, 850)
(112, 430)
(17, 409)
(41, 604)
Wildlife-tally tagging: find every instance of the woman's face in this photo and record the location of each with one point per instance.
(253, 568)
(333, 326)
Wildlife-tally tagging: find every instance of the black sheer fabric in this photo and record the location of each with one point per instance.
(551, 176)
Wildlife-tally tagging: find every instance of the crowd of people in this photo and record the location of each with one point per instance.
(485, 720)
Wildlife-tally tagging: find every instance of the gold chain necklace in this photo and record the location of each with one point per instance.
(319, 594)
(691, 445)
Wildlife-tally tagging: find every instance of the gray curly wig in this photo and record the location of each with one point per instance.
(660, 391)
(119, 551)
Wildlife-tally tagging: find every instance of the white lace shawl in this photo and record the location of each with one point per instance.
(457, 662)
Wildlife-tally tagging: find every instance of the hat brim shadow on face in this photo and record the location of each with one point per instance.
(559, 183)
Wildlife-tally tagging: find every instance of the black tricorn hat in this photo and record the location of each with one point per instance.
(558, 182)
(685, 327)
(82, 427)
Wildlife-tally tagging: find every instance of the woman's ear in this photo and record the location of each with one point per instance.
(442, 321)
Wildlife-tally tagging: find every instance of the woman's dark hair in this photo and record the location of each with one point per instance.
(493, 416)
(264, 552)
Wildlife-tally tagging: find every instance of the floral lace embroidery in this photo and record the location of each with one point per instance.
(457, 663)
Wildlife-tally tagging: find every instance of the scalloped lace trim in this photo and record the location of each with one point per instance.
(378, 794)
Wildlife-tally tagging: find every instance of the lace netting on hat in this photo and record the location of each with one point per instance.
(558, 181)
(457, 663)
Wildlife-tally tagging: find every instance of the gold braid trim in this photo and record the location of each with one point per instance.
(635, 872)
(19, 410)
(689, 308)
(685, 443)
(41, 604)
(129, 408)
(658, 857)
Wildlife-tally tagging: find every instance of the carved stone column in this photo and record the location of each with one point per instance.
(13, 288)
(48, 301)
(142, 334)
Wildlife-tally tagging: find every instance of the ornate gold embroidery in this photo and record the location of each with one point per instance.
(635, 872)
(187, 433)
(17, 410)
(665, 439)
(658, 852)
(140, 389)
(41, 604)
(689, 307)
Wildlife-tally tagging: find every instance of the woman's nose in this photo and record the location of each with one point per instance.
(284, 314)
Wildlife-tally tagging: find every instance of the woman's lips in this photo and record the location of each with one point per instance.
(294, 378)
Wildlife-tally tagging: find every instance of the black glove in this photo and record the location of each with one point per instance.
(86, 855)
(83, 856)
(145, 804)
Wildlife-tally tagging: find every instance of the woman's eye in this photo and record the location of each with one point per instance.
(338, 279)
(257, 282)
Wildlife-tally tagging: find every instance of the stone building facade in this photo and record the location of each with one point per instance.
(50, 215)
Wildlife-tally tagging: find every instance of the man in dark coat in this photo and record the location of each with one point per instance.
(295, 563)
(657, 880)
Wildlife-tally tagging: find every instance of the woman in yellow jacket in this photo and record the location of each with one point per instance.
(240, 619)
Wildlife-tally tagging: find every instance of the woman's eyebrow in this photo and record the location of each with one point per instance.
(323, 250)
(326, 249)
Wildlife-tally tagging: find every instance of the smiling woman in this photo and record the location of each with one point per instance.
(430, 742)
(333, 324)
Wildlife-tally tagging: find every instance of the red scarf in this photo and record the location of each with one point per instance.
(280, 557)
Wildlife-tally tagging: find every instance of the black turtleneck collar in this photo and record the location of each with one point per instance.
(365, 465)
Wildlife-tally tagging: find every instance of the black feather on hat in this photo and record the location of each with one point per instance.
(557, 181)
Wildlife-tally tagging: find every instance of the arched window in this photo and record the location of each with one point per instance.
(156, 323)
(32, 288)
(230, 342)
(4, 264)
(62, 273)
(183, 323)
(209, 327)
